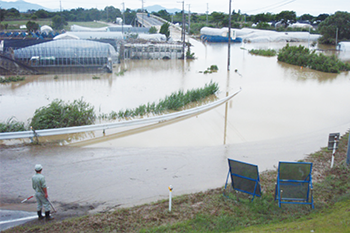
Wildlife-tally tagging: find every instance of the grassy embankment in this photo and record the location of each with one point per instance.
(211, 212)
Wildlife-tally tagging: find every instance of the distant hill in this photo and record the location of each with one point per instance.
(156, 8)
(22, 6)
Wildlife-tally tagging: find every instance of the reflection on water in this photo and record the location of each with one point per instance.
(277, 99)
(303, 74)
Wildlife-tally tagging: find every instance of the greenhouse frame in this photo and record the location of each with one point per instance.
(68, 53)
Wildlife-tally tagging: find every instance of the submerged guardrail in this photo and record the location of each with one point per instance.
(87, 128)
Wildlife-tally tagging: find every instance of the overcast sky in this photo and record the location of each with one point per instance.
(313, 7)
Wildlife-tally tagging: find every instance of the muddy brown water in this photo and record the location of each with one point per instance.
(283, 112)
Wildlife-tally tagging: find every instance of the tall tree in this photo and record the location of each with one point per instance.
(217, 17)
(307, 17)
(268, 17)
(164, 29)
(322, 17)
(2, 14)
(287, 17)
(129, 16)
(13, 13)
(42, 14)
(32, 26)
(110, 13)
(58, 22)
(163, 14)
(328, 28)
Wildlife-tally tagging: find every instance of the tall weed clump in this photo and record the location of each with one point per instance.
(173, 102)
(263, 52)
(12, 125)
(301, 56)
(11, 79)
(59, 114)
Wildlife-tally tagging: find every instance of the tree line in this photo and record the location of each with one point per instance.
(327, 25)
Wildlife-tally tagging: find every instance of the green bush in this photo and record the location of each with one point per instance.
(301, 56)
(59, 114)
(153, 30)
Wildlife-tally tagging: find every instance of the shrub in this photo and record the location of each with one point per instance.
(153, 30)
(301, 56)
(59, 114)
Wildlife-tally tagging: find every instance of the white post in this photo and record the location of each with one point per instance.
(334, 149)
(170, 191)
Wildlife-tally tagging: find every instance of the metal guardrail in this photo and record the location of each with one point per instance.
(88, 128)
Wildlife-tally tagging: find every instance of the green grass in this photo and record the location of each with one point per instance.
(176, 101)
(91, 24)
(11, 79)
(211, 69)
(334, 219)
(12, 125)
(263, 52)
(15, 24)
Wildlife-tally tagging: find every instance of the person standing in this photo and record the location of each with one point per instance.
(39, 185)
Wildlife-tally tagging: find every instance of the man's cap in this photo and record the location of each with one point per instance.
(38, 167)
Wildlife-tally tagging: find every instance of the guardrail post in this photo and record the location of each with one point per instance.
(35, 135)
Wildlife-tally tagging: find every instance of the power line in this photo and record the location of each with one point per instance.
(273, 6)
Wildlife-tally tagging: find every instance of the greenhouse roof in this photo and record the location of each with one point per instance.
(67, 48)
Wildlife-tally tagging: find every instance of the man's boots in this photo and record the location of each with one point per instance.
(39, 215)
(48, 216)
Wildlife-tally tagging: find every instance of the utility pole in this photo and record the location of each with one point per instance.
(142, 12)
(336, 38)
(183, 28)
(61, 13)
(229, 38)
(189, 19)
(207, 12)
(123, 19)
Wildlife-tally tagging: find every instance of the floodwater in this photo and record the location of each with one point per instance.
(277, 99)
(283, 112)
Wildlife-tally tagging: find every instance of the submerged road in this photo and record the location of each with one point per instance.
(103, 177)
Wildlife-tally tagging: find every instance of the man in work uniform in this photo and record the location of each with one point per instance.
(39, 185)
